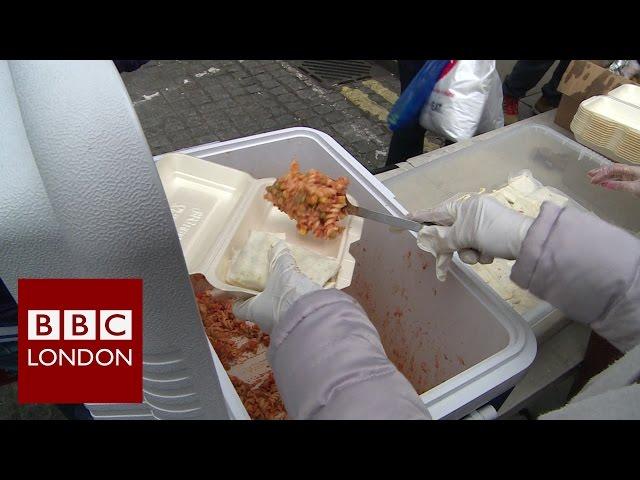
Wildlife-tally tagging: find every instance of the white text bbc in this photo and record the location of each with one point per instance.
(79, 325)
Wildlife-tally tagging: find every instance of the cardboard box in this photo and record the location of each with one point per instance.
(583, 79)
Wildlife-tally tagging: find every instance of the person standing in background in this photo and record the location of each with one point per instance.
(406, 142)
(524, 76)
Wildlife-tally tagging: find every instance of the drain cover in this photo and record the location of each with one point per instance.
(335, 72)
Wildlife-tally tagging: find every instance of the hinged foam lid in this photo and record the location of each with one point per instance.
(203, 197)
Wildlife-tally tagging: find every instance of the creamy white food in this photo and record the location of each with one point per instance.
(250, 265)
(523, 194)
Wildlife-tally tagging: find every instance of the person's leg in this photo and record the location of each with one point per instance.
(75, 412)
(409, 141)
(524, 76)
(129, 65)
(550, 95)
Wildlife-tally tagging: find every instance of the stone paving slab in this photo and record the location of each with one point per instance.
(191, 102)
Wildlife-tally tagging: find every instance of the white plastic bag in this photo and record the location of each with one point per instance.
(492, 115)
(467, 100)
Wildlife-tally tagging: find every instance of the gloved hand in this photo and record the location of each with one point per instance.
(617, 177)
(284, 286)
(479, 222)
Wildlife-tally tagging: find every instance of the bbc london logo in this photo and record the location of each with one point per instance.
(80, 340)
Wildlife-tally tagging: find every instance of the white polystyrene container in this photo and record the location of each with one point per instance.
(457, 343)
(215, 208)
(554, 160)
(610, 126)
(619, 114)
(203, 196)
(627, 93)
(617, 154)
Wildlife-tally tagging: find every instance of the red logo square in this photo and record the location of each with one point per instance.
(79, 340)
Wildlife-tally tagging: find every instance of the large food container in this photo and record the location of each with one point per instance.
(458, 344)
(554, 160)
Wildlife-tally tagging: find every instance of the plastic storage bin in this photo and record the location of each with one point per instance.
(553, 159)
(458, 344)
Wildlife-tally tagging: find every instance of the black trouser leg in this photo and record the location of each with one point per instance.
(75, 412)
(524, 76)
(129, 65)
(550, 90)
(409, 141)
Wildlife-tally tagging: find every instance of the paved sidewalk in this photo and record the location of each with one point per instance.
(10, 409)
(187, 103)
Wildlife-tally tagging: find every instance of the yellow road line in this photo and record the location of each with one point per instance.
(364, 103)
(381, 90)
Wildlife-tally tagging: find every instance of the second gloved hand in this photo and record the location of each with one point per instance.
(617, 177)
(479, 222)
(284, 286)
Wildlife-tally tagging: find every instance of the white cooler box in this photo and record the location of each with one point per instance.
(457, 345)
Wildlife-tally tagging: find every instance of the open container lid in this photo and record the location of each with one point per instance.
(202, 196)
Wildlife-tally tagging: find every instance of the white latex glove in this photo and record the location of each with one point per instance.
(479, 222)
(617, 177)
(284, 286)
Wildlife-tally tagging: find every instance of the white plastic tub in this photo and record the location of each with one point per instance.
(554, 160)
(458, 344)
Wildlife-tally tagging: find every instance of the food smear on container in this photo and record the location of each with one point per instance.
(241, 347)
(315, 201)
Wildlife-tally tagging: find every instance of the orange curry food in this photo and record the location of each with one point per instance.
(315, 201)
(235, 341)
